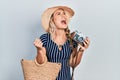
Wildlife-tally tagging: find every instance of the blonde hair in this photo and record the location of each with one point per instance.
(52, 28)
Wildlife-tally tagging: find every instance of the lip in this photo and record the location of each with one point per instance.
(64, 22)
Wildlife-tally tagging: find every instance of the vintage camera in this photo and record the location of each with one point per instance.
(79, 37)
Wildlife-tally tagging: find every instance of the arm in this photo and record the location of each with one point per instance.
(77, 55)
(41, 51)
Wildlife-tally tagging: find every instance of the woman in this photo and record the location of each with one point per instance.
(55, 44)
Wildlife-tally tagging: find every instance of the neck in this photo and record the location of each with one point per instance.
(60, 33)
(59, 37)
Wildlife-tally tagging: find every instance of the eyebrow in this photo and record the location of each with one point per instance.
(58, 11)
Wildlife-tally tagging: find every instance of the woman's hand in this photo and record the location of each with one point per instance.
(38, 44)
(41, 51)
(85, 45)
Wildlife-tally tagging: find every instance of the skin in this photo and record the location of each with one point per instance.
(60, 20)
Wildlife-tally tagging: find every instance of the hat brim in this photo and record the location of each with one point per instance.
(45, 18)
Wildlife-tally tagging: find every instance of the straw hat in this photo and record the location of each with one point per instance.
(45, 18)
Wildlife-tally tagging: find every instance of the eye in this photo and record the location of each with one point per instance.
(58, 13)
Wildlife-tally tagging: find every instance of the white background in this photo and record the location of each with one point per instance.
(20, 24)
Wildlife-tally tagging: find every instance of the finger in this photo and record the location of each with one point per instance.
(87, 39)
(35, 42)
(85, 44)
(81, 47)
(38, 43)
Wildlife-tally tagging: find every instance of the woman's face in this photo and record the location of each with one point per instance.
(60, 19)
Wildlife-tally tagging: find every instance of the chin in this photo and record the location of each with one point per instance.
(64, 26)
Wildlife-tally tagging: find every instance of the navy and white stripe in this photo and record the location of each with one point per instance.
(55, 55)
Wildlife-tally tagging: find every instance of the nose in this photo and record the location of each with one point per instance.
(64, 16)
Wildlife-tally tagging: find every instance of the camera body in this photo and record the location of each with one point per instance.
(79, 37)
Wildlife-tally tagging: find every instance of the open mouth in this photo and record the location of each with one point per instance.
(63, 22)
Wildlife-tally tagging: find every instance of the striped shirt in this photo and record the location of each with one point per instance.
(55, 55)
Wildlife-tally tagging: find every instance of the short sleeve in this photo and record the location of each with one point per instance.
(44, 39)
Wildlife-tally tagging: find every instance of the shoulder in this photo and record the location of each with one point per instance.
(44, 35)
(44, 38)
